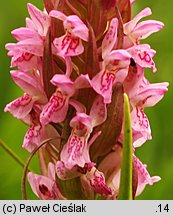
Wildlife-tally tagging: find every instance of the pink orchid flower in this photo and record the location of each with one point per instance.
(136, 32)
(28, 107)
(27, 51)
(34, 94)
(57, 107)
(76, 150)
(70, 44)
(142, 94)
(45, 186)
(114, 66)
(114, 69)
(147, 96)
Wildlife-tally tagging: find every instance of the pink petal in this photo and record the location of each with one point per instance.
(24, 33)
(56, 109)
(128, 27)
(103, 81)
(44, 187)
(110, 38)
(133, 80)
(151, 94)
(146, 28)
(98, 111)
(138, 139)
(29, 83)
(33, 137)
(20, 107)
(73, 23)
(21, 59)
(95, 180)
(140, 123)
(81, 122)
(144, 177)
(79, 29)
(68, 46)
(58, 15)
(25, 61)
(30, 24)
(81, 32)
(102, 84)
(10, 46)
(75, 151)
(39, 18)
(64, 83)
(121, 75)
(121, 55)
(33, 46)
(142, 55)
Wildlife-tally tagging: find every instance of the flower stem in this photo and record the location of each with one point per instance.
(12, 153)
(125, 192)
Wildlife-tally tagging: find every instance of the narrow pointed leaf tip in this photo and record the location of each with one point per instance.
(125, 192)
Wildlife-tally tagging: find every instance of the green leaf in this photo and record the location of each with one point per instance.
(12, 154)
(125, 192)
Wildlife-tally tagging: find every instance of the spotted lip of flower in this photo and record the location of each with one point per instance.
(76, 150)
(142, 55)
(74, 157)
(70, 44)
(45, 187)
(57, 107)
(26, 52)
(115, 69)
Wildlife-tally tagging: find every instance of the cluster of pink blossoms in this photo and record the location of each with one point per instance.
(74, 62)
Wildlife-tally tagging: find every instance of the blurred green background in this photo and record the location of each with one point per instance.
(157, 154)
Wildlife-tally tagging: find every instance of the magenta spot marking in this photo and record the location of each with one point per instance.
(107, 80)
(146, 57)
